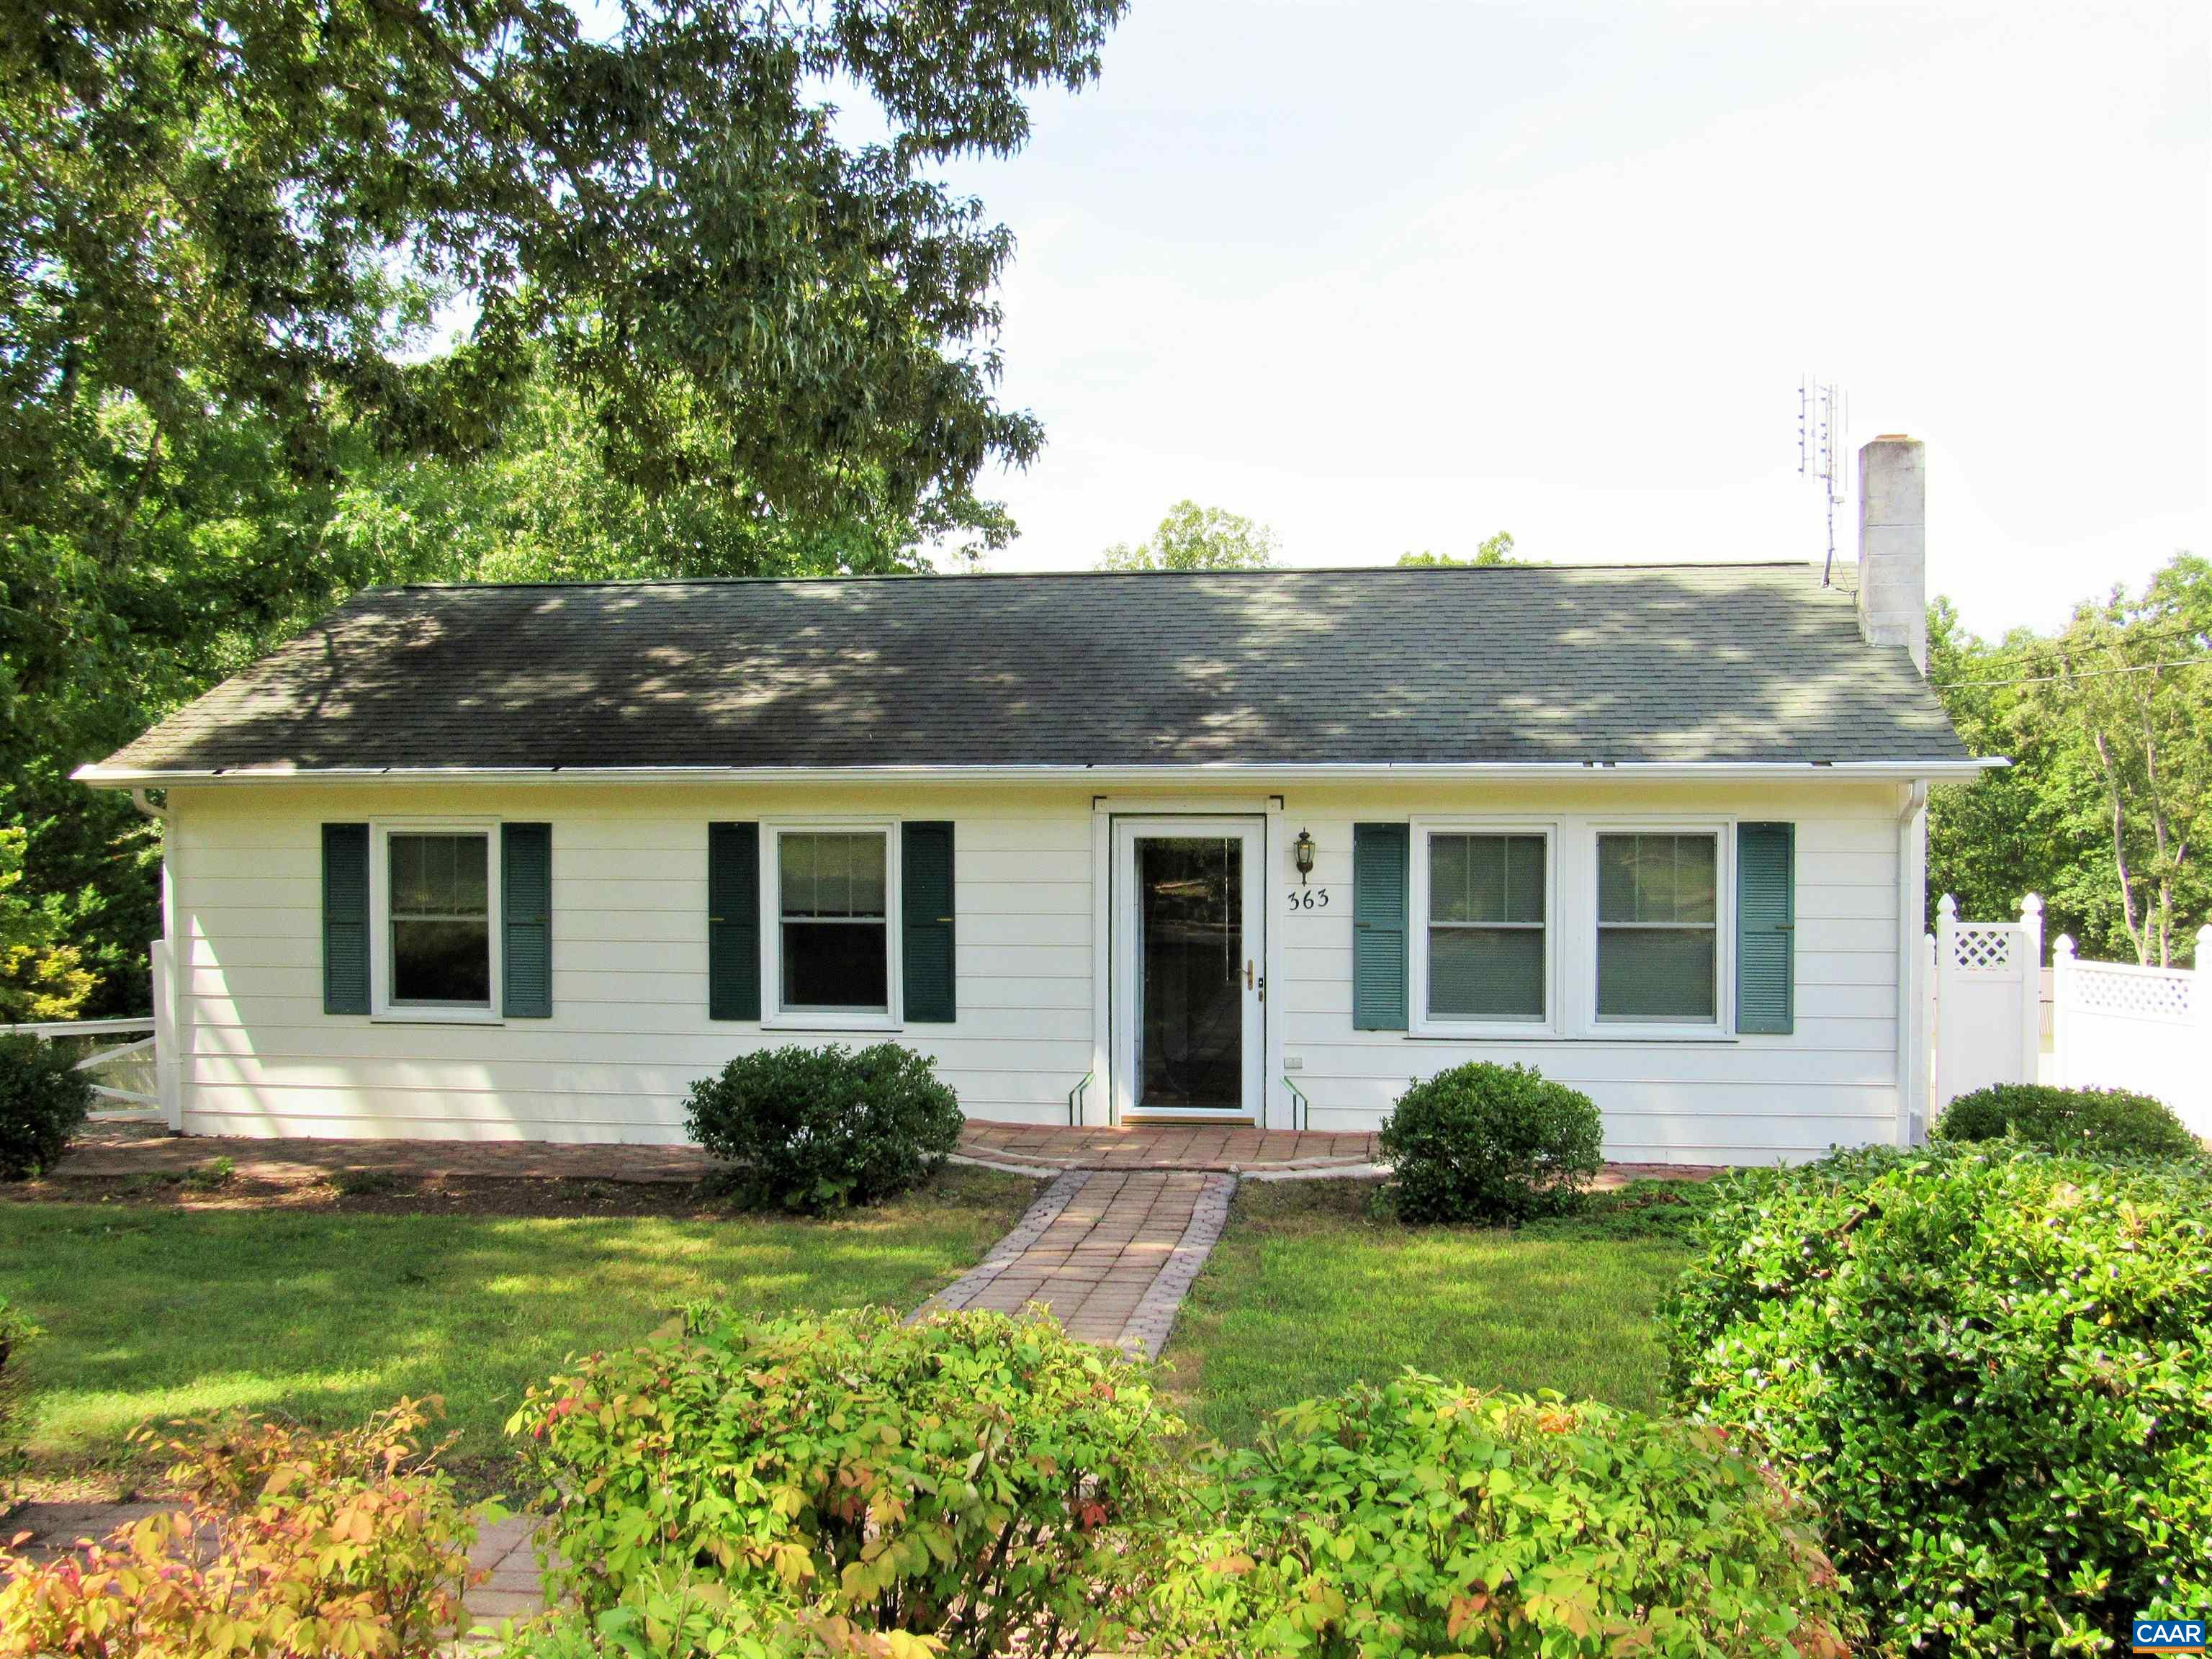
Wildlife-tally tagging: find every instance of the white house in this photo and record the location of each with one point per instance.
(502, 861)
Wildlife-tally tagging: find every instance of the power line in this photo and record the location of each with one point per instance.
(2083, 674)
(1999, 653)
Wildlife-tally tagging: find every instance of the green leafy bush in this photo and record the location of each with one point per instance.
(1421, 1517)
(43, 1099)
(2093, 1123)
(683, 1616)
(965, 1479)
(1489, 1144)
(1987, 1367)
(812, 1129)
(16, 1333)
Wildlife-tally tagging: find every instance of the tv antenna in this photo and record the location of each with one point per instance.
(1824, 455)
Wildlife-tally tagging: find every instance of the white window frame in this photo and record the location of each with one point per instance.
(774, 1015)
(381, 1005)
(1420, 1022)
(1723, 1023)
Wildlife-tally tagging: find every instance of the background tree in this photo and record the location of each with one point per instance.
(299, 296)
(1493, 551)
(2103, 809)
(1194, 537)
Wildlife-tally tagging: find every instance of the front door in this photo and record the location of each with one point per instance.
(1188, 967)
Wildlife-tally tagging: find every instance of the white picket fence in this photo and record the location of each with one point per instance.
(136, 1079)
(2113, 1025)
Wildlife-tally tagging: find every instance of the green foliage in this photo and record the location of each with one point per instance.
(42, 977)
(302, 297)
(2108, 723)
(1194, 537)
(43, 1100)
(2087, 1122)
(1986, 1366)
(1493, 550)
(15, 1333)
(293, 1546)
(667, 1615)
(1420, 1518)
(814, 1129)
(1492, 1144)
(964, 1479)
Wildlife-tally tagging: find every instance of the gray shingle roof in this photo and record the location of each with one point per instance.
(1646, 663)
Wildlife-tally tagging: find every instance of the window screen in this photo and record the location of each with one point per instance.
(836, 941)
(1657, 928)
(439, 915)
(1487, 927)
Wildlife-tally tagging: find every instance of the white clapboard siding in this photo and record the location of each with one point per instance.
(629, 1033)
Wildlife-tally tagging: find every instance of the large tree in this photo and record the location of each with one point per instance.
(296, 297)
(2108, 723)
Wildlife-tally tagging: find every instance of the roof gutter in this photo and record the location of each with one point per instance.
(101, 777)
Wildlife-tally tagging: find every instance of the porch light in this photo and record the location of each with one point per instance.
(1301, 852)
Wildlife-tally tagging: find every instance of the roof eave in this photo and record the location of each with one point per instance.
(100, 776)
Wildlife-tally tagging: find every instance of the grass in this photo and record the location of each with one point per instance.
(153, 1312)
(1308, 1291)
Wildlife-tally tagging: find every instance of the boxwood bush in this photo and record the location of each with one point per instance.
(43, 1101)
(1987, 1366)
(2095, 1122)
(966, 1480)
(814, 1129)
(1489, 1144)
(1419, 1517)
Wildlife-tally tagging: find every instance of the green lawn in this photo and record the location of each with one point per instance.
(1306, 1293)
(155, 1312)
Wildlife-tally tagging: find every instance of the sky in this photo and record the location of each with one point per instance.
(1393, 275)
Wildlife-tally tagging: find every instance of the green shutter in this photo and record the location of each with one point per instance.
(526, 912)
(925, 922)
(1379, 853)
(733, 988)
(1766, 923)
(345, 917)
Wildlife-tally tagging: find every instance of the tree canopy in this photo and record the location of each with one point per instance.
(1493, 551)
(2104, 811)
(1194, 537)
(301, 296)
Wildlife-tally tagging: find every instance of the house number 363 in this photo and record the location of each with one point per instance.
(1309, 898)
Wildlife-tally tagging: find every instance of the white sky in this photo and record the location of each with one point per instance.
(1395, 275)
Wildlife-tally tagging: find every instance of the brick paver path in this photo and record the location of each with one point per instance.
(1231, 1148)
(1109, 1252)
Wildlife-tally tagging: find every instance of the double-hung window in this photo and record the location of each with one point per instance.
(835, 889)
(1658, 927)
(439, 929)
(1483, 936)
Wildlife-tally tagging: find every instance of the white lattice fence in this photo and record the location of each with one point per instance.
(1988, 986)
(2115, 1025)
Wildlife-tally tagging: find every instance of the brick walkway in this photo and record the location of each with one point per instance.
(1109, 1252)
(108, 1150)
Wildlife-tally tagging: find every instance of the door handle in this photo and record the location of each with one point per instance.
(1247, 973)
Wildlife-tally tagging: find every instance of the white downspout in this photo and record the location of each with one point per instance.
(1912, 964)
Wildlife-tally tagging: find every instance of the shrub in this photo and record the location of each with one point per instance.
(1491, 1144)
(684, 1617)
(814, 1128)
(2093, 1122)
(1422, 1517)
(966, 1478)
(1987, 1367)
(43, 1099)
(15, 1332)
(294, 1547)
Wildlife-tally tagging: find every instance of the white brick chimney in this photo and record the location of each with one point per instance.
(1893, 545)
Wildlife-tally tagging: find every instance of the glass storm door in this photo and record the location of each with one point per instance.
(1188, 980)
